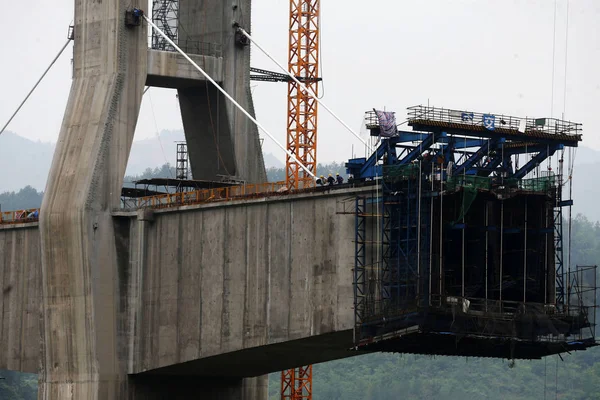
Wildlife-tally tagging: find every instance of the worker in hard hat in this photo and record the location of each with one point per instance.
(339, 179)
(321, 181)
(330, 180)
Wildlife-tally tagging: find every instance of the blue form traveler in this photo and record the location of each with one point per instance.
(33, 215)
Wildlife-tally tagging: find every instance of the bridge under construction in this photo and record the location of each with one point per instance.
(447, 238)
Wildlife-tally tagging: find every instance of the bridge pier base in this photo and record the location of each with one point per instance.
(152, 387)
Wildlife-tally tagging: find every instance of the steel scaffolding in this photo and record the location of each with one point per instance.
(165, 14)
(468, 244)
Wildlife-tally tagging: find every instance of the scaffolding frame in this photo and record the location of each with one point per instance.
(165, 14)
(182, 168)
(498, 274)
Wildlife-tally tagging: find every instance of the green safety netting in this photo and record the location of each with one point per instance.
(468, 181)
(468, 197)
(393, 173)
(542, 184)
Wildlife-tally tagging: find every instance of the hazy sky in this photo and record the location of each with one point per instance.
(485, 55)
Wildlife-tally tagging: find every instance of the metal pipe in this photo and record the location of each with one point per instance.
(501, 248)
(463, 245)
(441, 227)
(419, 237)
(34, 87)
(307, 90)
(220, 89)
(431, 236)
(487, 232)
(546, 259)
(525, 258)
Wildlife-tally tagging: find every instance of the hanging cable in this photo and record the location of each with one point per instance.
(556, 380)
(214, 132)
(545, 361)
(35, 86)
(307, 90)
(246, 113)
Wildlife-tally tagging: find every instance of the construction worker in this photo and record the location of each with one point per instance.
(330, 180)
(339, 179)
(321, 181)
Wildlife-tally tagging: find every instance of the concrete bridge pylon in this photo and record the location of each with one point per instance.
(86, 297)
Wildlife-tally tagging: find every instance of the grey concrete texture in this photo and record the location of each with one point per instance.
(84, 345)
(221, 281)
(223, 290)
(221, 140)
(168, 69)
(21, 286)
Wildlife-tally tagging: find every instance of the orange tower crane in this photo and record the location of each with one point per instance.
(303, 63)
(296, 384)
(302, 110)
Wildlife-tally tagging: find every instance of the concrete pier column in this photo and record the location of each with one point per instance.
(85, 346)
(221, 139)
(152, 387)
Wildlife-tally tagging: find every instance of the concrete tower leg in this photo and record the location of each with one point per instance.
(176, 387)
(221, 139)
(84, 351)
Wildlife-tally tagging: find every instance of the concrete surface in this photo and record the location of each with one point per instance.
(265, 272)
(141, 293)
(84, 344)
(215, 293)
(169, 69)
(20, 285)
(221, 139)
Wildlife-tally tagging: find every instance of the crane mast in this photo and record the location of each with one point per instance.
(302, 109)
(296, 383)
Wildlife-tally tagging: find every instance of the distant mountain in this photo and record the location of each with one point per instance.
(154, 152)
(273, 162)
(24, 162)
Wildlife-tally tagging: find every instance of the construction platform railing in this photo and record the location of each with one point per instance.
(209, 195)
(553, 126)
(19, 216)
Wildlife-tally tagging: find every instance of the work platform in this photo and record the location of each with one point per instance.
(460, 250)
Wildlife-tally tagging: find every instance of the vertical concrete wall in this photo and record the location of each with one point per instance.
(245, 287)
(83, 342)
(219, 279)
(221, 139)
(20, 285)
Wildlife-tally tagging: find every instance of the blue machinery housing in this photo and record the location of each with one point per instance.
(460, 250)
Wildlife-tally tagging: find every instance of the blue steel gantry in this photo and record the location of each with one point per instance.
(463, 237)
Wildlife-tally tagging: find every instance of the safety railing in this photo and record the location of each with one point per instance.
(551, 126)
(209, 195)
(472, 181)
(394, 173)
(543, 184)
(19, 216)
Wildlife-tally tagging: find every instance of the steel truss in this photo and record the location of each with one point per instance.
(165, 14)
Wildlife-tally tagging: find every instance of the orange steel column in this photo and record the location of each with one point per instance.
(302, 109)
(296, 384)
